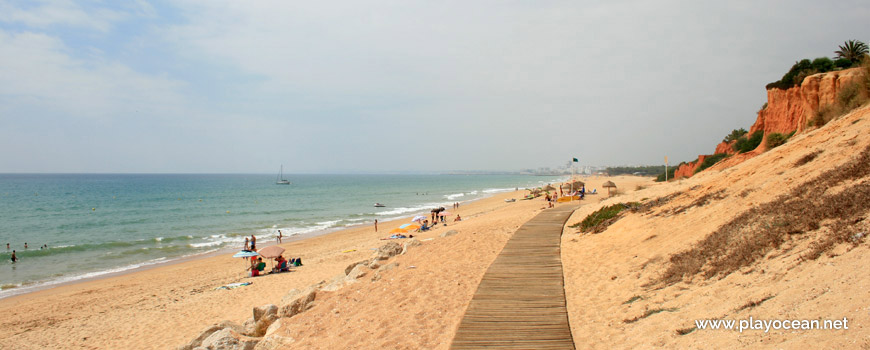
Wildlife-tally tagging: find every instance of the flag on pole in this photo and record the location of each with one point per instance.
(575, 160)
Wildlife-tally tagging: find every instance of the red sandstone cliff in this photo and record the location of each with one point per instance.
(787, 110)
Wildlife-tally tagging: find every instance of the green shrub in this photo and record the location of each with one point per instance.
(671, 170)
(843, 63)
(745, 144)
(775, 139)
(823, 64)
(737, 133)
(598, 220)
(709, 161)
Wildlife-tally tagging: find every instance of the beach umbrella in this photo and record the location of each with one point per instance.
(549, 188)
(418, 218)
(609, 185)
(245, 254)
(445, 213)
(271, 252)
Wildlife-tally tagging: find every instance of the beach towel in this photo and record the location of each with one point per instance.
(234, 285)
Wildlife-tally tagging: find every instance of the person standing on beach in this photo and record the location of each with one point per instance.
(246, 244)
(376, 225)
(253, 243)
(280, 235)
(14, 258)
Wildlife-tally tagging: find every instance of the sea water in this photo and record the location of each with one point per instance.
(85, 225)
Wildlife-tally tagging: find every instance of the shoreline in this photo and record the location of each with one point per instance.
(145, 266)
(172, 303)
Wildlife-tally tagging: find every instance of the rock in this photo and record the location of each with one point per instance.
(263, 324)
(388, 250)
(264, 311)
(413, 242)
(274, 327)
(388, 267)
(225, 339)
(378, 274)
(335, 284)
(232, 325)
(303, 302)
(249, 326)
(290, 296)
(196, 342)
(351, 266)
(274, 341)
(449, 233)
(375, 264)
(357, 272)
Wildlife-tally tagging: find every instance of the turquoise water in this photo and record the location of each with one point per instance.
(99, 224)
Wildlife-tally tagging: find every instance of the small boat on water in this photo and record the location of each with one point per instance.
(280, 180)
(379, 205)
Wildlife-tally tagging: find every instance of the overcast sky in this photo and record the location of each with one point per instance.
(370, 86)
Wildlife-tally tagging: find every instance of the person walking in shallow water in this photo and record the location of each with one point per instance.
(14, 258)
(280, 235)
(253, 243)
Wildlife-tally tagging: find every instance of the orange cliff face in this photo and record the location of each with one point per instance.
(790, 110)
(787, 110)
(688, 169)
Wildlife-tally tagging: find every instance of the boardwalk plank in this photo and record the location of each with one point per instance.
(520, 302)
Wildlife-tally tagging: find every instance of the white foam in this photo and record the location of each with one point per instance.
(454, 196)
(21, 290)
(497, 190)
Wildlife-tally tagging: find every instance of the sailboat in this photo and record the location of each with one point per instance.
(280, 180)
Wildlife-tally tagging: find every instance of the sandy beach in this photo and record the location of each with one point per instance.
(419, 303)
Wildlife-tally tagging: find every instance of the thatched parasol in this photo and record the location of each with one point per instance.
(576, 185)
(609, 185)
(549, 188)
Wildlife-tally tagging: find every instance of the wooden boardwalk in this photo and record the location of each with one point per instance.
(520, 303)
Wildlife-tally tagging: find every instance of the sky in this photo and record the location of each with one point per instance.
(208, 86)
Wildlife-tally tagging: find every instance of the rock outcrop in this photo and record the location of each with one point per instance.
(787, 111)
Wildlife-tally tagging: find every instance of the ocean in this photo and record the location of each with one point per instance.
(79, 226)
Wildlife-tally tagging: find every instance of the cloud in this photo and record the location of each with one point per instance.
(48, 13)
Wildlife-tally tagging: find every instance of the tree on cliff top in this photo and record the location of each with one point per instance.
(852, 50)
(736, 133)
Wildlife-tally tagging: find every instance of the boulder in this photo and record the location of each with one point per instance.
(413, 242)
(375, 264)
(351, 266)
(290, 296)
(205, 333)
(303, 302)
(357, 272)
(449, 233)
(263, 324)
(265, 310)
(388, 267)
(388, 250)
(249, 326)
(378, 274)
(225, 339)
(274, 341)
(274, 327)
(335, 284)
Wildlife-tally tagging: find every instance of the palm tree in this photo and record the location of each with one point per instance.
(853, 50)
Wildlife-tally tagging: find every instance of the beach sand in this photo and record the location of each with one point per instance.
(417, 305)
